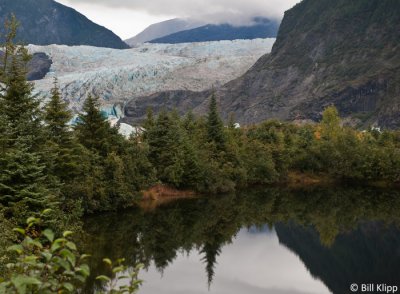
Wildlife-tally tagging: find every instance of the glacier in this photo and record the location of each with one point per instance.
(118, 76)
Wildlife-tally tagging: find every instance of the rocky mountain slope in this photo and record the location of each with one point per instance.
(38, 66)
(261, 28)
(45, 22)
(118, 76)
(163, 29)
(339, 52)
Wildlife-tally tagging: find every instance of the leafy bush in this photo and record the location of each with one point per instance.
(46, 264)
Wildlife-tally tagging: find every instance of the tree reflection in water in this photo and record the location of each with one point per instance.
(342, 235)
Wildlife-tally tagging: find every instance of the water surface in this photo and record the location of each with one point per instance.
(264, 241)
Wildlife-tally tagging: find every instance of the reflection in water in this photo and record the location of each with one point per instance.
(255, 263)
(370, 254)
(341, 236)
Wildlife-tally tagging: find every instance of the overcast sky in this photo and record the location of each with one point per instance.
(127, 18)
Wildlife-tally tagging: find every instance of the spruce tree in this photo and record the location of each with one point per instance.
(215, 126)
(23, 181)
(93, 130)
(57, 117)
(189, 123)
(64, 153)
(20, 108)
(166, 150)
(149, 122)
(4, 134)
(139, 172)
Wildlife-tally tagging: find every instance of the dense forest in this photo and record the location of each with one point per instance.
(47, 163)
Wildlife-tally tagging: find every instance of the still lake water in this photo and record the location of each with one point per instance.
(265, 241)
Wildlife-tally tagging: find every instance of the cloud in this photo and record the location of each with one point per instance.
(214, 11)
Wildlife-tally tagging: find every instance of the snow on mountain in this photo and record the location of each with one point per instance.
(118, 76)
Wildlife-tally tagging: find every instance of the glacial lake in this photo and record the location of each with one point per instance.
(273, 240)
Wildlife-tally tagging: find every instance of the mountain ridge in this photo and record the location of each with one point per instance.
(46, 22)
(163, 29)
(327, 53)
(261, 28)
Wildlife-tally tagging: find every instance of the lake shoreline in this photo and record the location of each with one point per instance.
(161, 194)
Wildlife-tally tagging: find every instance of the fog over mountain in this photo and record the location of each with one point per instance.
(162, 29)
(235, 12)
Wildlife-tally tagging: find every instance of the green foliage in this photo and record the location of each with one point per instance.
(93, 131)
(215, 127)
(165, 149)
(171, 152)
(113, 169)
(122, 273)
(184, 155)
(44, 264)
(57, 117)
(330, 123)
(17, 104)
(23, 180)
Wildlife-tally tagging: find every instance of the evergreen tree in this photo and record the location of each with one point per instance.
(215, 126)
(149, 122)
(22, 177)
(93, 130)
(23, 181)
(139, 172)
(57, 117)
(118, 191)
(4, 135)
(19, 107)
(64, 155)
(190, 125)
(165, 149)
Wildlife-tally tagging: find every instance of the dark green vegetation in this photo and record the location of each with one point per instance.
(261, 28)
(344, 53)
(45, 264)
(202, 154)
(44, 163)
(45, 22)
(342, 235)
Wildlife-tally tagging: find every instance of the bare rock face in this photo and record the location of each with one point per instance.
(39, 66)
(340, 52)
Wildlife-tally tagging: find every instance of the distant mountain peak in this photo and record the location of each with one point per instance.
(45, 22)
(259, 28)
(178, 30)
(162, 29)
